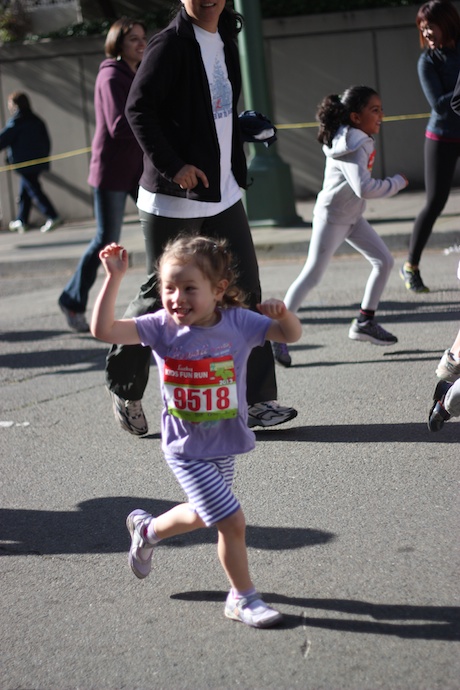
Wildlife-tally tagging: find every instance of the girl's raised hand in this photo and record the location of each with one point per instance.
(114, 258)
(273, 308)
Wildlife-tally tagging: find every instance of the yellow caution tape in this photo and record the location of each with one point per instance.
(47, 159)
(295, 125)
(390, 118)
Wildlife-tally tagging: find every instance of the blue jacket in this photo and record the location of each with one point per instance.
(438, 71)
(169, 110)
(26, 137)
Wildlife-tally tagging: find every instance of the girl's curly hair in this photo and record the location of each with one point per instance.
(214, 260)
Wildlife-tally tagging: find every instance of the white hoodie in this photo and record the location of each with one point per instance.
(348, 180)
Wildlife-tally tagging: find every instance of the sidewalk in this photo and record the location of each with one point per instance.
(392, 218)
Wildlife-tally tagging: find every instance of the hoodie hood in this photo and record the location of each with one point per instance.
(346, 140)
(117, 65)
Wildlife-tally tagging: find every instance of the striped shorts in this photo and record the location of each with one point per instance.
(208, 485)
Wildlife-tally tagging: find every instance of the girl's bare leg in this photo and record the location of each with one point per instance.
(232, 551)
(179, 520)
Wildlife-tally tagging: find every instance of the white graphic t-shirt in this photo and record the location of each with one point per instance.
(212, 53)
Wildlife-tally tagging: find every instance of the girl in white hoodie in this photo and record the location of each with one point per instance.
(347, 124)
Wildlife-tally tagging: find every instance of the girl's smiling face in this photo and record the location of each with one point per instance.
(188, 295)
(370, 118)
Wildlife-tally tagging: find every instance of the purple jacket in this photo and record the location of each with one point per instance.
(116, 157)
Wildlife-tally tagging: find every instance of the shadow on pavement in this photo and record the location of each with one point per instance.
(400, 620)
(98, 526)
(364, 433)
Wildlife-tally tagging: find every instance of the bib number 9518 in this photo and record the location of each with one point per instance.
(201, 390)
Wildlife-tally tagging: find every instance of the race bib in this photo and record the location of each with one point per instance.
(201, 390)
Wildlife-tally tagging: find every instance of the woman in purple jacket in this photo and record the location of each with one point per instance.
(116, 160)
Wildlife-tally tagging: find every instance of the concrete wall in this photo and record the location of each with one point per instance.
(307, 58)
(310, 57)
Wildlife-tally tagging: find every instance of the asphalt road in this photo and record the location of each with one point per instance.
(352, 509)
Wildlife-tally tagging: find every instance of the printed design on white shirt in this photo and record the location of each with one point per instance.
(201, 390)
(221, 91)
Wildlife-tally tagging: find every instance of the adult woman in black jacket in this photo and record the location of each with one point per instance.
(182, 108)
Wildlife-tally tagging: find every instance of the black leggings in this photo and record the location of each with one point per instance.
(440, 161)
(127, 367)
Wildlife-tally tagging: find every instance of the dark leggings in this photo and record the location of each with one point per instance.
(440, 161)
(127, 368)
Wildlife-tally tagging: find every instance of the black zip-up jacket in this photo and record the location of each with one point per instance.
(26, 138)
(169, 110)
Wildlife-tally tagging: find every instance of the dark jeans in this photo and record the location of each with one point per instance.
(127, 368)
(440, 160)
(30, 190)
(109, 208)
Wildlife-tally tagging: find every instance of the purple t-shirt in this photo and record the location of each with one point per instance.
(203, 381)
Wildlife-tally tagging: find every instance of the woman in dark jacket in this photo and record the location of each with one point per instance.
(26, 138)
(182, 108)
(116, 160)
(438, 23)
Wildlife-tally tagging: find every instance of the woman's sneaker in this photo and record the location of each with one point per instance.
(448, 367)
(75, 320)
(251, 611)
(438, 413)
(129, 414)
(140, 553)
(269, 413)
(51, 224)
(17, 226)
(412, 279)
(371, 332)
(281, 354)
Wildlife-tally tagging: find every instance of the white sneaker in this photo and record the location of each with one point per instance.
(251, 610)
(17, 226)
(51, 224)
(139, 561)
(269, 413)
(448, 368)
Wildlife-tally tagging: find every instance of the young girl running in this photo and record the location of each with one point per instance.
(347, 125)
(201, 341)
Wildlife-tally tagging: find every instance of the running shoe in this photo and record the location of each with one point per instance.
(448, 367)
(140, 552)
(412, 279)
(75, 320)
(251, 611)
(281, 354)
(371, 332)
(129, 414)
(269, 414)
(438, 413)
(51, 224)
(17, 226)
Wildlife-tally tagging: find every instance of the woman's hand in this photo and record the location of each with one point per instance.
(188, 177)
